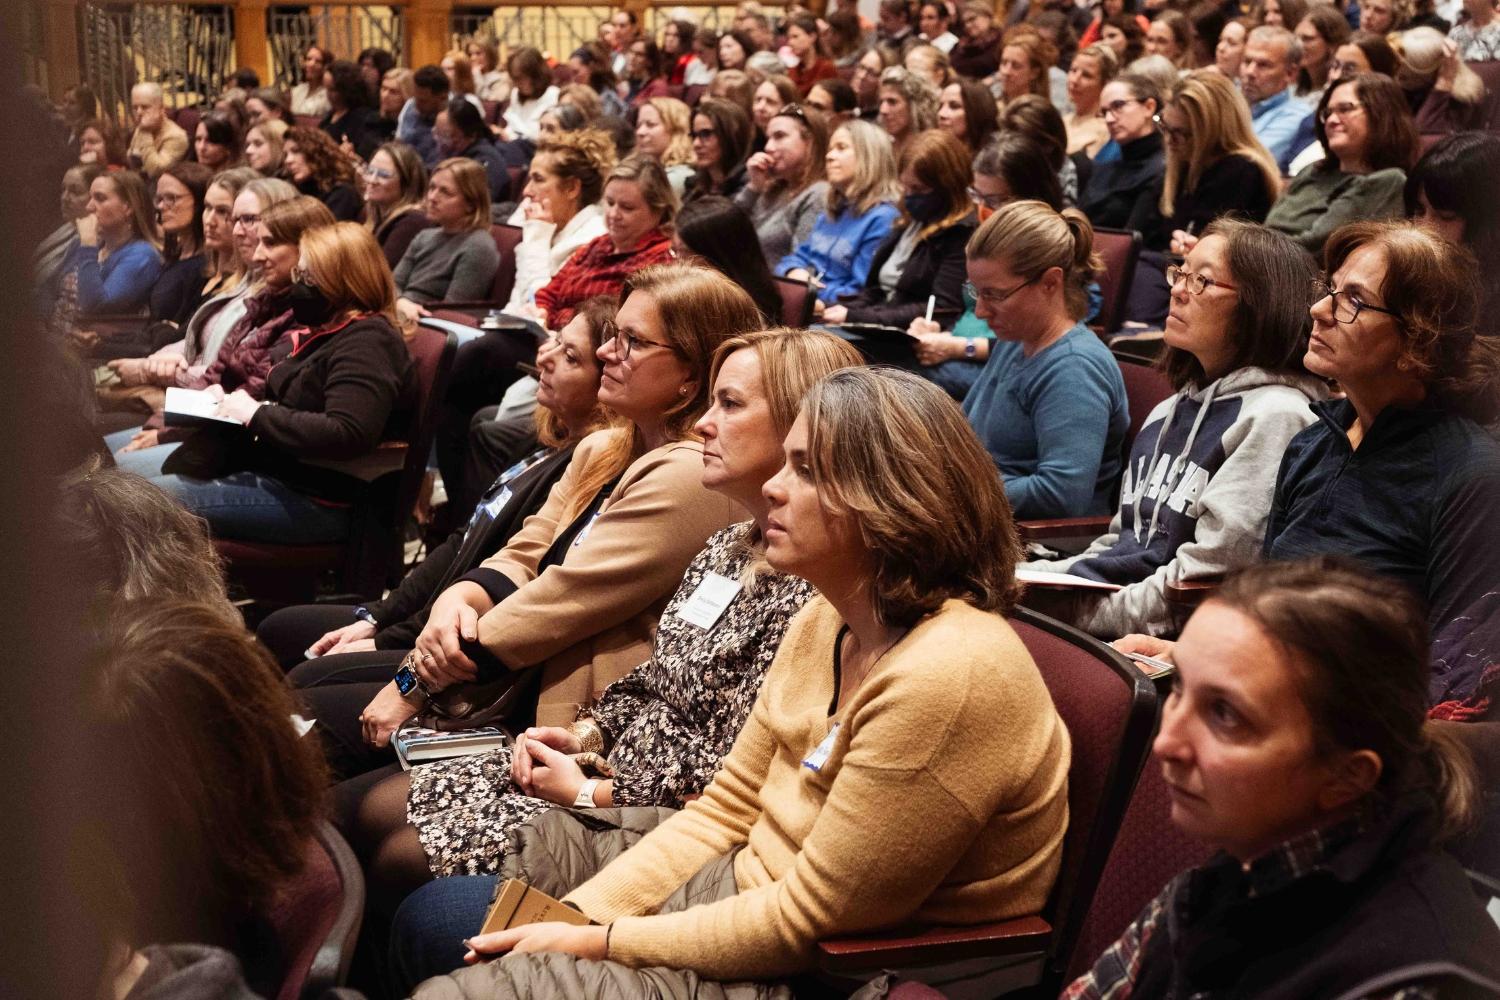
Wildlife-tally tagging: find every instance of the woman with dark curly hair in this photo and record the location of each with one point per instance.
(318, 168)
(352, 121)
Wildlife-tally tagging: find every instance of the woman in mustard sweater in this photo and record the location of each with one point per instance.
(903, 764)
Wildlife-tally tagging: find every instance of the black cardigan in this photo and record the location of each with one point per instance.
(1230, 185)
(403, 614)
(1119, 194)
(936, 267)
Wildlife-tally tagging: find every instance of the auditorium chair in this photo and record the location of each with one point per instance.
(1489, 72)
(1120, 249)
(367, 562)
(1110, 709)
(797, 301)
(507, 239)
(316, 920)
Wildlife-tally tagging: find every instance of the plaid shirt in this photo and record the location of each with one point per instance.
(1114, 975)
(598, 269)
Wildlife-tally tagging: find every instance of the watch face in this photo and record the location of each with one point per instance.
(406, 680)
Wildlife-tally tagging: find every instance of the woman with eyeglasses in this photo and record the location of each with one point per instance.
(897, 694)
(456, 259)
(181, 191)
(1121, 194)
(1197, 486)
(1215, 167)
(1091, 71)
(1050, 402)
(722, 136)
(395, 182)
(784, 191)
(571, 603)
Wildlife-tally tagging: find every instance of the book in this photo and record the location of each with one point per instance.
(193, 408)
(515, 903)
(1043, 578)
(416, 745)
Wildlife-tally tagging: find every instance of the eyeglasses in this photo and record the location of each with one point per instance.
(378, 174)
(1346, 305)
(1342, 110)
(247, 220)
(987, 200)
(1197, 284)
(1171, 131)
(1115, 107)
(702, 135)
(626, 341)
(989, 295)
(1339, 70)
(168, 200)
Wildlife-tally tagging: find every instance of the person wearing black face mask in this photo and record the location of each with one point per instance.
(924, 254)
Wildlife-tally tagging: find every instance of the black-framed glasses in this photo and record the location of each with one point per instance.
(987, 200)
(168, 200)
(626, 342)
(1115, 107)
(1171, 131)
(1346, 305)
(1197, 284)
(702, 134)
(989, 295)
(247, 220)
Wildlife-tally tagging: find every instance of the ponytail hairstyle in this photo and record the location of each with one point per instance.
(1033, 238)
(1337, 619)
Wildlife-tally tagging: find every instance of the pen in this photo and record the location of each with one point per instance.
(931, 302)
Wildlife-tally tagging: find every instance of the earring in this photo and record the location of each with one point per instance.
(683, 391)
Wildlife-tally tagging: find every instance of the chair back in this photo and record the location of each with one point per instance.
(1489, 72)
(1120, 250)
(507, 239)
(1110, 708)
(1145, 388)
(796, 301)
(432, 353)
(316, 919)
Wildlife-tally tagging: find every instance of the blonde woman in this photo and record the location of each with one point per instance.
(457, 258)
(785, 190)
(1092, 69)
(563, 214)
(908, 105)
(661, 132)
(862, 191)
(395, 182)
(263, 146)
(1025, 57)
(1448, 96)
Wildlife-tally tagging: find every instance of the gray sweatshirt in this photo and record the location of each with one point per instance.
(783, 223)
(1194, 497)
(442, 266)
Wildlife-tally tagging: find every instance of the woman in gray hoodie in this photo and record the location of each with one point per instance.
(1196, 490)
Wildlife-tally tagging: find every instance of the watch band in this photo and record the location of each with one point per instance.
(363, 614)
(585, 797)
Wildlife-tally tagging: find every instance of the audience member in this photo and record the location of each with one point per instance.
(734, 50)
(1364, 53)
(716, 232)
(320, 170)
(1328, 843)
(352, 121)
(1268, 74)
(967, 111)
(102, 144)
(806, 46)
(1383, 17)
(217, 143)
(862, 186)
(645, 73)
(181, 193)
(785, 190)
(638, 211)
(584, 98)
(456, 259)
(267, 103)
(455, 66)
(460, 132)
(908, 105)
(1092, 69)
(661, 132)
(866, 81)
(1321, 33)
(722, 134)
(1368, 143)
(396, 88)
(561, 118)
(1231, 48)
(928, 62)
(1443, 92)
(625, 27)
(1121, 194)
(1478, 38)
(677, 50)
(117, 260)
(346, 385)
(49, 260)
(1124, 33)
(374, 64)
(491, 82)
(834, 100)
(1453, 192)
(977, 54)
(844, 37)
(310, 97)
(158, 141)
(933, 17)
(919, 268)
(561, 204)
(1197, 487)
(395, 199)
(1050, 403)
(894, 25)
(414, 126)
(265, 147)
(704, 65)
(1206, 19)
(771, 95)
(908, 629)
(1171, 37)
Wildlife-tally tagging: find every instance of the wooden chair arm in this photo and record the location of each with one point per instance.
(1191, 593)
(1062, 527)
(934, 946)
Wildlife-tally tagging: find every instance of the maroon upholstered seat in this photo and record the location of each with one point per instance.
(317, 918)
(796, 301)
(1120, 250)
(507, 239)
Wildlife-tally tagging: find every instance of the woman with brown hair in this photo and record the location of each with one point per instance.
(886, 507)
(785, 190)
(318, 168)
(561, 206)
(1321, 32)
(771, 95)
(344, 388)
(1327, 795)
(1025, 58)
(118, 258)
(102, 142)
(457, 258)
(395, 199)
(806, 45)
(722, 134)
(1171, 37)
(967, 110)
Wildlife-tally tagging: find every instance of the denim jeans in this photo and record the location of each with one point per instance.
(954, 377)
(252, 507)
(428, 934)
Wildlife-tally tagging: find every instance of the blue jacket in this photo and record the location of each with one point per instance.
(1054, 423)
(122, 284)
(840, 250)
(1284, 126)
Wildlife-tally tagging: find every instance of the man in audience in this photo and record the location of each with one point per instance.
(158, 141)
(429, 98)
(894, 25)
(310, 97)
(932, 19)
(1268, 71)
(758, 27)
(625, 25)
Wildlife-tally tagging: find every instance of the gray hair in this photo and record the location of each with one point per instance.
(1271, 34)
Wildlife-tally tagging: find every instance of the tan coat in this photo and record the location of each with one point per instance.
(158, 151)
(591, 618)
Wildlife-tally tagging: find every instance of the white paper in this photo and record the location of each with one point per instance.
(198, 403)
(303, 726)
(819, 756)
(1044, 578)
(709, 600)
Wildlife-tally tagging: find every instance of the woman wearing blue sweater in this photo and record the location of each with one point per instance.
(1050, 402)
(116, 262)
(862, 191)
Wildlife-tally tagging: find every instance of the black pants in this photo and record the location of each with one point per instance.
(482, 371)
(288, 632)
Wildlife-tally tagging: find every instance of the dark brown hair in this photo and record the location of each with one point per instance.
(940, 161)
(1270, 323)
(206, 795)
(1036, 118)
(1433, 288)
(1336, 619)
(981, 116)
(733, 128)
(1392, 137)
(327, 162)
(895, 451)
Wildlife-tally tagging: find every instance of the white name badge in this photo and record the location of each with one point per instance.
(502, 498)
(708, 601)
(819, 756)
(578, 540)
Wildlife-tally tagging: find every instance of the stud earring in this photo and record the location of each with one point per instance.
(682, 391)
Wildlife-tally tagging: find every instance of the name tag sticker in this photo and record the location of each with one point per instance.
(709, 600)
(502, 498)
(586, 529)
(819, 756)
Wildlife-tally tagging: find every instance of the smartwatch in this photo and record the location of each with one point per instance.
(971, 349)
(363, 614)
(407, 681)
(585, 797)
